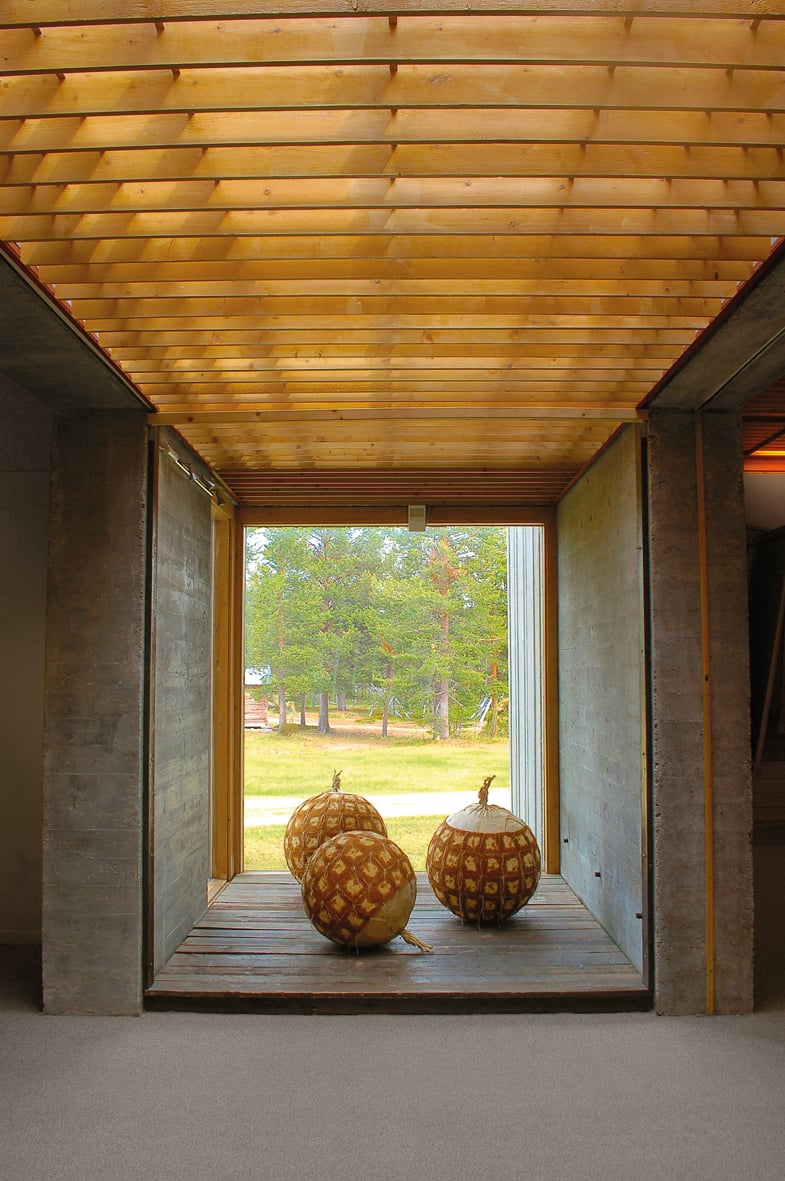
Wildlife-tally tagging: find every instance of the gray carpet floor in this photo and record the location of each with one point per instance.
(536, 1097)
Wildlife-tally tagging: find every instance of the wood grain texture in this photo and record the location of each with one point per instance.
(184, 174)
(255, 948)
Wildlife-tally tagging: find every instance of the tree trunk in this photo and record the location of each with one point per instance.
(442, 576)
(494, 701)
(324, 714)
(441, 702)
(386, 711)
(441, 708)
(281, 708)
(342, 701)
(302, 711)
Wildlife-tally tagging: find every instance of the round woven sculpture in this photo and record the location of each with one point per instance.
(483, 862)
(359, 889)
(323, 816)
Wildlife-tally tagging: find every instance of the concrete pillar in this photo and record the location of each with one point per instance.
(685, 962)
(93, 739)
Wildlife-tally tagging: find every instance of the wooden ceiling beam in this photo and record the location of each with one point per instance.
(289, 366)
(238, 395)
(392, 307)
(441, 126)
(446, 220)
(567, 86)
(284, 450)
(477, 379)
(433, 289)
(43, 13)
(283, 444)
(387, 193)
(338, 356)
(422, 323)
(361, 39)
(406, 160)
(485, 38)
(160, 277)
(516, 247)
(573, 335)
(187, 416)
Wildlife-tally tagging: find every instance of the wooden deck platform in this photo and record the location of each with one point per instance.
(255, 949)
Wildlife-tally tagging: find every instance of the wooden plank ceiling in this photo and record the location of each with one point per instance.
(362, 252)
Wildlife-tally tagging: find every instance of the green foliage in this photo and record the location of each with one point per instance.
(399, 622)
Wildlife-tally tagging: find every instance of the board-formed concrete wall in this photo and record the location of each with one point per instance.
(601, 700)
(94, 718)
(696, 955)
(25, 443)
(180, 708)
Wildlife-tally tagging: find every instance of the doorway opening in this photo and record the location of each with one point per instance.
(384, 654)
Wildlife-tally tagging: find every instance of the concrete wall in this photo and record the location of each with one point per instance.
(25, 443)
(93, 744)
(687, 968)
(180, 708)
(601, 706)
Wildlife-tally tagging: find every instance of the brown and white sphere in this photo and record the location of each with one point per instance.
(323, 816)
(359, 890)
(483, 862)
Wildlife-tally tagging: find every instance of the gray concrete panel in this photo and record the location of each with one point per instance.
(742, 353)
(181, 709)
(93, 747)
(601, 723)
(46, 353)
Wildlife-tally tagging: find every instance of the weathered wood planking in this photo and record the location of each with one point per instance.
(254, 948)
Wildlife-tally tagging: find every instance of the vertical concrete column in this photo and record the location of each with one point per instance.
(696, 960)
(93, 740)
(730, 705)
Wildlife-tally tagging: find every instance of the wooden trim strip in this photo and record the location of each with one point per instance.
(45, 13)
(444, 220)
(306, 161)
(515, 248)
(694, 128)
(425, 413)
(468, 39)
(456, 40)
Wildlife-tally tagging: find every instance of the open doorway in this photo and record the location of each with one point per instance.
(383, 654)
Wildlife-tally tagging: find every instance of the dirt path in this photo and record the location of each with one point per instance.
(264, 810)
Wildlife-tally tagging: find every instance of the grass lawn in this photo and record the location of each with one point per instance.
(302, 763)
(264, 846)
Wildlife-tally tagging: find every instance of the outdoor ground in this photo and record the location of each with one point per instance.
(413, 780)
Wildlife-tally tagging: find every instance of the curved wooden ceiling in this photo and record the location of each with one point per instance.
(351, 249)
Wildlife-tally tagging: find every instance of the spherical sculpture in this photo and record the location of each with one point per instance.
(483, 862)
(359, 889)
(323, 816)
